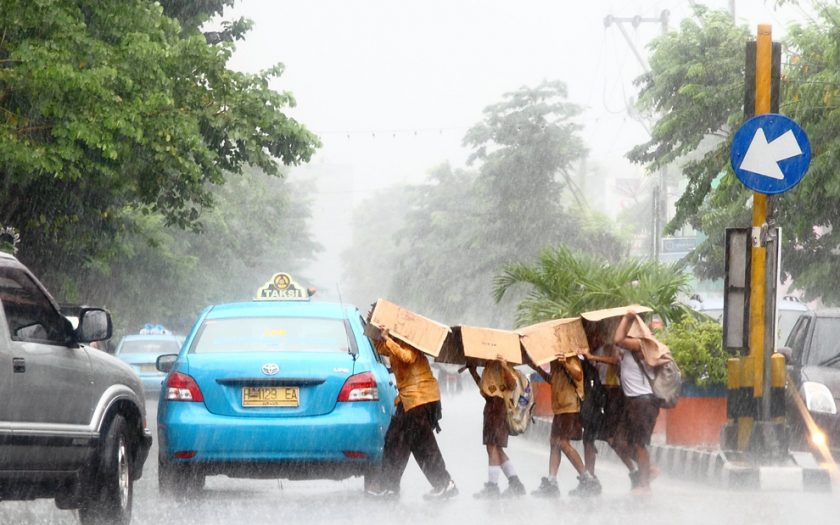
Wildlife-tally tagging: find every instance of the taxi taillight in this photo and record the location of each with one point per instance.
(359, 387)
(181, 387)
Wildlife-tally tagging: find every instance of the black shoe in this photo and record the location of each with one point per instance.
(515, 488)
(588, 485)
(547, 488)
(445, 492)
(490, 491)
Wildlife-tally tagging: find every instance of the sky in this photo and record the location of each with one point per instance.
(392, 86)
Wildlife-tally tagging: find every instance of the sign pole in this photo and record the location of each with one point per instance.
(763, 84)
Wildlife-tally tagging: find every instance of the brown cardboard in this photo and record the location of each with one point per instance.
(421, 333)
(546, 341)
(487, 343)
(600, 315)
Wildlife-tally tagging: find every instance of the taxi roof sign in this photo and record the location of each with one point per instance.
(281, 287)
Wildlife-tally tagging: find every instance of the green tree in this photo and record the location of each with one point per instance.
(164, 274)
(113, 110)
(696, 84)
(562, 283)
(462, 226)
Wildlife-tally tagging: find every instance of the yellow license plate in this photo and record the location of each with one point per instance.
(271, 396)
(148, 369)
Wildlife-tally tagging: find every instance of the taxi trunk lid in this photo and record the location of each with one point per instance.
(271, 384)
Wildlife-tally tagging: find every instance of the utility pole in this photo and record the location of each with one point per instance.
(659, 199)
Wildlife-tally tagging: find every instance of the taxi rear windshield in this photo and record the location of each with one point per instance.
(272, 334)
(149, 347)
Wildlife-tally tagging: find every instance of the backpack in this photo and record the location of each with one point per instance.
(519, 404)
(665, 383)
(594, 399)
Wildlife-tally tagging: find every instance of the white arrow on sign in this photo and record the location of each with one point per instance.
(763, 158)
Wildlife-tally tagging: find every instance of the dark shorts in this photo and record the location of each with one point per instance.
(637, 420)
(613, 408)
(495, 430)
(612, 412)
(567, 426)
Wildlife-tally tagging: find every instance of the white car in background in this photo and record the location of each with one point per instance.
(788, 310)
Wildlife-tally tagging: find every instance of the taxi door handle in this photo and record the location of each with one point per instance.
(18, 365)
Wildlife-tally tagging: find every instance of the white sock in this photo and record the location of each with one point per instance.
(507, 468)
(493, 473)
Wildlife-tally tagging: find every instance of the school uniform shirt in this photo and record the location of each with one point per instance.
(607, 373)
(492, 382)
(633, 381)
(566, 393)
(416, 385)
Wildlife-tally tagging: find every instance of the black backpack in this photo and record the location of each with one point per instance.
(594, 399)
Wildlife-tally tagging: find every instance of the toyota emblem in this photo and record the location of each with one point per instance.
(270, 369)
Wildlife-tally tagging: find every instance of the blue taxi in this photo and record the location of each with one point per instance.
(277, 387)
(142, 350)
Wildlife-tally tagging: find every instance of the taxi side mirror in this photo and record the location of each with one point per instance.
(165, 362)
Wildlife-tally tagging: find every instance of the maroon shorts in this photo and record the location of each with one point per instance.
(567, 426)
(637, 420)
(495, 431)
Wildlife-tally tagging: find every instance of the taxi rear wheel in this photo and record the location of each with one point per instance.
(178, 480)
(111, 485)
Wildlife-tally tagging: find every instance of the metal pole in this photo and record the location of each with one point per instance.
(763, 84)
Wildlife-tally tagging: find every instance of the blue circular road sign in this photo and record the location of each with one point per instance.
(770, 153)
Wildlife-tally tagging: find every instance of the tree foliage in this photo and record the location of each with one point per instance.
(463, 225)
(696, 85)
(119, 119)
(562, 283)
(165, 274)
(123, 133)
(114, 104)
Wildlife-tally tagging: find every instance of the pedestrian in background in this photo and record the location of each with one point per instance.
(495, 384)
(566, 380)
(413, 424)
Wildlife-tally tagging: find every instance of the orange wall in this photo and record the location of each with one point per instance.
(695, 421)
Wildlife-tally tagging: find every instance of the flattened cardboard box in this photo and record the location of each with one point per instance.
(544, 342)
(476, 342)
(600, 315)
(421, 333)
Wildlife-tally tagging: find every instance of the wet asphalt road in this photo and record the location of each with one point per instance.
(255, 502)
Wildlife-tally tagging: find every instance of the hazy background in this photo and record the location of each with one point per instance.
(391, 87)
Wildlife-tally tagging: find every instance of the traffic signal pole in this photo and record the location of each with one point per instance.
(763, 84)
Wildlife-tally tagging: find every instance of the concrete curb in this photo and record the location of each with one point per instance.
(714, 467)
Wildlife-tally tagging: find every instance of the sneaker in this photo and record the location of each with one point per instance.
(447, 491)
(383, 494)
(490, 491)
(547, 488)
(514, 488)
(588, 485)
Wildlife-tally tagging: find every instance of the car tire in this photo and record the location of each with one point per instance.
(111, 487)
(178, 480)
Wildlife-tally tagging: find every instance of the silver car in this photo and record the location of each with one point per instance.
(72, 418)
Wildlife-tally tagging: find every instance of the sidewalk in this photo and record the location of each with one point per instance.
(715, 467)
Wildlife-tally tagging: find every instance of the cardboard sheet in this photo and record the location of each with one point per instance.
(420, 332)
(599, 315)
(544, 342)
(487, 343)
